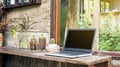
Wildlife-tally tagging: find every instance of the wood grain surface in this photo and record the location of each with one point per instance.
(38, 58)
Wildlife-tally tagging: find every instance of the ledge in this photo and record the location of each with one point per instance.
(88, 60)
(109, 53)
(105, 13)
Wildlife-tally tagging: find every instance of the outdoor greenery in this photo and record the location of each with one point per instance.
(85, 21)
(109, 36)
(109, 33)
(63, 19)
(104, 6)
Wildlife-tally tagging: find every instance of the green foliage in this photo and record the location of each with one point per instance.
(52, 41)
(63, 19)
(42, 36)
(91, 6)
(110, 41)
(14, 31)
(109, 36)
(85, 21)
(25, 23)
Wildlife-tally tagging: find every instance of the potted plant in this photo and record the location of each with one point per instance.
(52, 47)
(23, 25)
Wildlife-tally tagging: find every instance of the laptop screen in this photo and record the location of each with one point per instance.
(80, 38)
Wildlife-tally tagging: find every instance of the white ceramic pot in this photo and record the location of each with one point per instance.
(52, 48)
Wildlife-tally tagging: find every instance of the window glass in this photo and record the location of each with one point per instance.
(63, 19)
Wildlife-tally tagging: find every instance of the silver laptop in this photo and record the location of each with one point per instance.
(77, 43)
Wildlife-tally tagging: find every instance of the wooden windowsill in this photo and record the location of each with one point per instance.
(109, 53)
(106, 13)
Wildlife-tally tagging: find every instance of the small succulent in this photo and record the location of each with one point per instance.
(52, 41)
(42, 36)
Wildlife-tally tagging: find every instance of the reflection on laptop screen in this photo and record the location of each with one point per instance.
(80, 38)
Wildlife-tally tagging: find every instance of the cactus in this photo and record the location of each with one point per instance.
(52, 41)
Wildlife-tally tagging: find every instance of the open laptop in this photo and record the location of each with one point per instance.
(77, 43)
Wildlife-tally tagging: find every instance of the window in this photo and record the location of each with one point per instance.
(107, 38)
(63, 19)
(85, 20)
(104, 5)
(109, 31)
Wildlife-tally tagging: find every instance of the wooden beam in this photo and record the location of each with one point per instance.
(109, 63)
(56, 21)
(86, 6)
(96, 22)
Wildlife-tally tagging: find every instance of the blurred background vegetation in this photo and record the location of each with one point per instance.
(63, 19)
(109, 34)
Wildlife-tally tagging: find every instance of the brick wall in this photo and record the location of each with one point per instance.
(36, 13)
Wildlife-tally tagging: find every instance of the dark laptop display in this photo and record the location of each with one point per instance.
(79, 39)
(77, 43)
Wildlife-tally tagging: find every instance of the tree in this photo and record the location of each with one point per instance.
(72, 17)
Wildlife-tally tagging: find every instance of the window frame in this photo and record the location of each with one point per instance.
(55, 28)
(55, 24)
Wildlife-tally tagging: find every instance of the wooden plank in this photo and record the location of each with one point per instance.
(53, 31)
(56, 20)
(88, 60)
(1, 60)
(86, 6)
(96, 23)
(18, 61)
(59, 64)
(109, 63)
(91, 66)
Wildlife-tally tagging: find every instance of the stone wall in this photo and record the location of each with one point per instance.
(37, 13)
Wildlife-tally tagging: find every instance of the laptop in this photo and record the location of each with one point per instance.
(77, 43)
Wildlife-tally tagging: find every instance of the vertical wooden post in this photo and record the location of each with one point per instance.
(111, 4)
(91, 66)
(86, 6)
(109, 63)
(56, 20)
(59, 64)
(96, 23)
(0, 60)
(104, 5)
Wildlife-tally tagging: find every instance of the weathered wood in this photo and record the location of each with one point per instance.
(14, 61)
(96, 22)
(56, 20)
(86, 6)
(24, 57)
(1, 59)
(109, 63)
(110, 53)
(91, 66)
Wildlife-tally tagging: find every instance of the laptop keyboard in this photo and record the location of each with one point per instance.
(71, 53)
